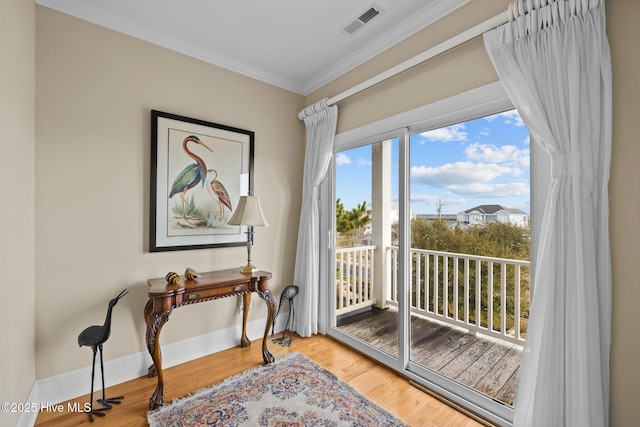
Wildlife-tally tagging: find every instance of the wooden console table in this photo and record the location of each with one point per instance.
(164, 297)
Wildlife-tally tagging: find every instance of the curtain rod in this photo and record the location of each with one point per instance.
(457, 40)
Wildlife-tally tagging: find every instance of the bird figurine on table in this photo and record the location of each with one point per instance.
(191, 175)
(95, 337)
(288, 293)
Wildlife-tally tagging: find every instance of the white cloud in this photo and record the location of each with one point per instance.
(428, 199)
(342, 159)
(490, 190)
(447, 133)
(468, 179)
(455, 202)
(506, 154)
(511, 117)
(431, 199)
(460, 173)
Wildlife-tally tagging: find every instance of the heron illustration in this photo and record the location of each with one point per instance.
(95, 337)
(219, 192)
(190, 175)
(288, 293)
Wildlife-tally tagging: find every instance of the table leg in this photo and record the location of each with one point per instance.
(271, 306)
(148, 309)
(244, 341)
(155, 322)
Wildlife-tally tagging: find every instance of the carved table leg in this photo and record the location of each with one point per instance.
(148, 309)
(244, 341)
(271, 305)
(154, 324)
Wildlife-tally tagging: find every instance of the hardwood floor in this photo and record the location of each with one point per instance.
(487, 365)
(388, 389)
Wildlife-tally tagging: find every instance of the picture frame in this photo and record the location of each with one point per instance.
(199, 170)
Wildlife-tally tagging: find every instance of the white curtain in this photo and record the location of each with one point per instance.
(553, 59)
(320, 121)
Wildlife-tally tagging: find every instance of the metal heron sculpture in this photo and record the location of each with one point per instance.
(95, 337)
(191, 175)
(219, 192)
(288, 293)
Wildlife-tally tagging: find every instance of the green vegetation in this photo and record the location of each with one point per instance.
(491, 240)
(195, 218)
(349, 224)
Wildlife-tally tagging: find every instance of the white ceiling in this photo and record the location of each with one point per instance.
(298, 45)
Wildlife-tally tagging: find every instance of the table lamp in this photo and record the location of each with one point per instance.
(248, 213)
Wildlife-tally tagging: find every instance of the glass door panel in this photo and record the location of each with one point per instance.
(366, 189)
(470, 240)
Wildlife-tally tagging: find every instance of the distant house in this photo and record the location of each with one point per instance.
(493, 213)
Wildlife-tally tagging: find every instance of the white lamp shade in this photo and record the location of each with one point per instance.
(248, 212)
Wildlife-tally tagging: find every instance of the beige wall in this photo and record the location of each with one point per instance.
(17, 249)
(624, 191)
(95, 88)
(467, 67)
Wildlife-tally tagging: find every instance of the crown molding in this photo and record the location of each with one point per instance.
(385, 41)
(123, 24)
(91, 13)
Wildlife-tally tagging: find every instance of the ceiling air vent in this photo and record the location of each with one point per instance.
(363, 19)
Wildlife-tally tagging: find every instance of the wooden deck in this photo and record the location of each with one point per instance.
(484, 364)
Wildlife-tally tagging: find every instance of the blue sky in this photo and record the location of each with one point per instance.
(481, 161)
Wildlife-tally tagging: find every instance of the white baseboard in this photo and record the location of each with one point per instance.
(69, 385)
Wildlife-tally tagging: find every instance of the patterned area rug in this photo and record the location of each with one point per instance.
(293, 391)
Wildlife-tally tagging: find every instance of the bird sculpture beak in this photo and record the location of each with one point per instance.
(121, 294)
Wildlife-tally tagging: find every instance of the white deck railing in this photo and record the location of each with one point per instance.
(450, 287)
(445, 286)
(354, 278)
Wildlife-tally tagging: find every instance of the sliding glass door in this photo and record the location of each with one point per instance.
(430, 250)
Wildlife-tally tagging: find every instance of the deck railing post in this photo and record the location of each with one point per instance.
(478, 308)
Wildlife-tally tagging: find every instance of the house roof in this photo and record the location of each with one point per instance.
(493, 209)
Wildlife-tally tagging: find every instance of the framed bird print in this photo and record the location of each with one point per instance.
(199, 170)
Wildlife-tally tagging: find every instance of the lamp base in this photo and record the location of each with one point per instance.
(249, 268)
